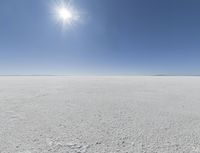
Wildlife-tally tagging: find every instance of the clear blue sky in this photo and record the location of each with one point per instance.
(113, 37)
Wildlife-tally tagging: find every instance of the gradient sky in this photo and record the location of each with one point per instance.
(113, 37)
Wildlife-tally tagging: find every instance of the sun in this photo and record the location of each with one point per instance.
(65, 14)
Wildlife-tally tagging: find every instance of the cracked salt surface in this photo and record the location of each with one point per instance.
(99, 114)
(72, 147)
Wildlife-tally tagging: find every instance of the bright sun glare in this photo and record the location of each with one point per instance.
(65, 13)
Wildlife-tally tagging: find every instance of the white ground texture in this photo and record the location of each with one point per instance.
(55, 114)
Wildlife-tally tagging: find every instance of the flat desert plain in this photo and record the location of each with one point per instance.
(104, 114)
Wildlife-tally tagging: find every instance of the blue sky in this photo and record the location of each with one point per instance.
(114, 37)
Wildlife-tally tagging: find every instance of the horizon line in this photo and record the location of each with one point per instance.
(93, 75)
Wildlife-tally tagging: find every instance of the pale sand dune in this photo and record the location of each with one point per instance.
(99, 114)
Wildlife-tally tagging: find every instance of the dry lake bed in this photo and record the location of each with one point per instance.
(107, 114)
